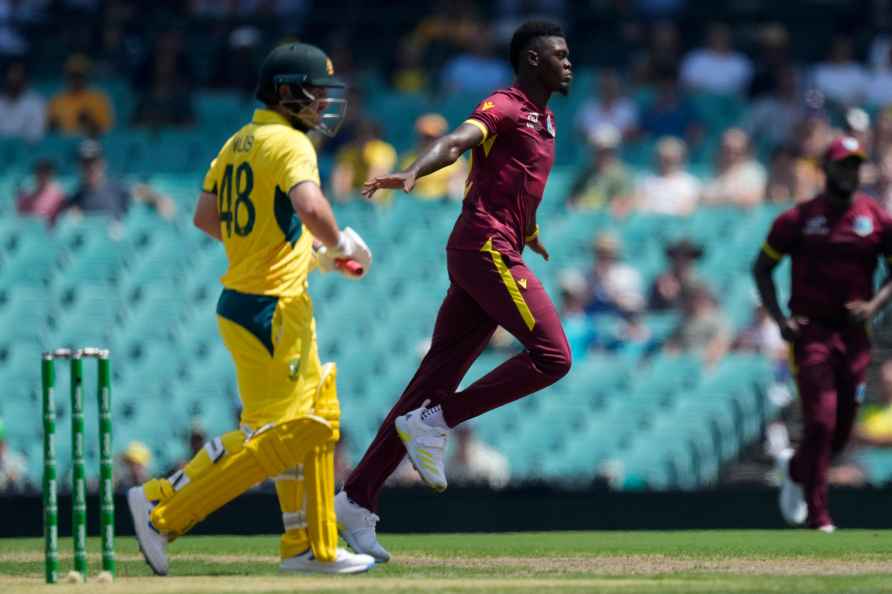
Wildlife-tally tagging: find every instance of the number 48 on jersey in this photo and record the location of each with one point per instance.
(238, 217)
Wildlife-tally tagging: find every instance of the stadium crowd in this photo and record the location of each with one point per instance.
(650, 146)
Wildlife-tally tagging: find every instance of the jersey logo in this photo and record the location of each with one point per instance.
(487, 105)
(863, 226)
(293, 369)
(329, 67)
(816, 226)
(522, 282)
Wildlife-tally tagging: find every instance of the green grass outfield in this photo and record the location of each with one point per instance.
(791, 561)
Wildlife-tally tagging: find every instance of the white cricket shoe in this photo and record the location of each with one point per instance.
(152, 543)
(426, 446)
(345, 562)
(791, 500)
(356, 525)
(827, 528)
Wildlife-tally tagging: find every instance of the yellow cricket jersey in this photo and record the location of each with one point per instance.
(268, 249)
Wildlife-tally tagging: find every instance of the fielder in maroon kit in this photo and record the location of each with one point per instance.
(835, 241)
(511, 134)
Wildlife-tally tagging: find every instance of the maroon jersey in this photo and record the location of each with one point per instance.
(508, 171)
(834, 253)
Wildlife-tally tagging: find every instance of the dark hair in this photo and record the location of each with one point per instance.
(529, 32)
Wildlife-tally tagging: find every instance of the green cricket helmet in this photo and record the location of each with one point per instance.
(300, 78)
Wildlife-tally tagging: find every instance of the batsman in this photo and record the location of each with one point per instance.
(261, 198)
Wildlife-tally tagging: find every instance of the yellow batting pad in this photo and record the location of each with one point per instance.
(320, 485)
(326, 402)
(212, 452)
(158, 490)
(290, 490)
(266, 453)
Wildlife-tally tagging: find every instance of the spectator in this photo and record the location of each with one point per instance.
(167, 61)
(882, 132)
(716, 67)
(881, 189)
(366, 157)
(165, 104)
(195, 440)
(22, 111)
(857, 125)
(871, 434)
(613, 287)
(474, 462)
(811, 135)
(165, 82)
(476, 70)
(774, 62)
(739, 178)
(449, 28)
(409, 76)
(46, 198)
(99, 194)
(670, 190)
(774, 113)
(671, 113)
(133, 466)
(782, 181)
(577, 325)
(236, 64)
(790, 177)
(448, 182)
(79, 109)
(703, 330)
(879, 87)
(13, 466)
(605, 183)
(662, 55)
(763, 336)
(508, 15)
(667, 289)
(610, 107)
(841, 79)
(874, 425)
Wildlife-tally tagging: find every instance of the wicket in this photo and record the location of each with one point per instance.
(79, 490)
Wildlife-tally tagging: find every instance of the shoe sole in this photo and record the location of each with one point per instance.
(133, 516)
(405, 438)
(346, 571)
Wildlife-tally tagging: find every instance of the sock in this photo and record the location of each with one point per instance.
(434, 417)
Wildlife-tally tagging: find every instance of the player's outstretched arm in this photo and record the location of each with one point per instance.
(206, 216)
(315, 212)
(441, 153)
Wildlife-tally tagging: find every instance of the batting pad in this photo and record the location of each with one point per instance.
(290, 490)
(319, 480)
(319, 483)
(326, 404)
(266, 453)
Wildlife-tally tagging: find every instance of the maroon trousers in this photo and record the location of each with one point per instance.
(829, 363)
(488, 288)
